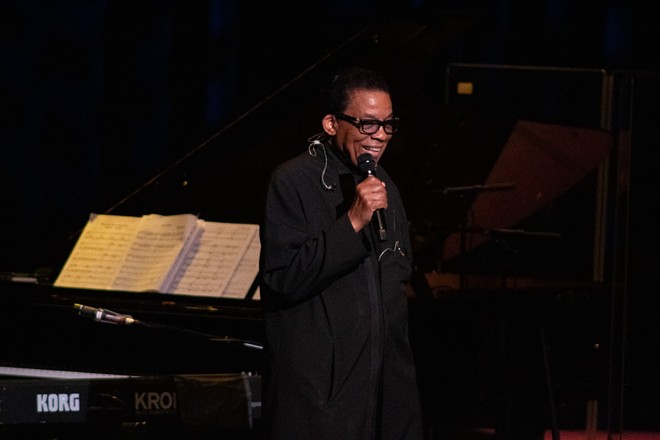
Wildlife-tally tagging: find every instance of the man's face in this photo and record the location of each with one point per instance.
(364, 104)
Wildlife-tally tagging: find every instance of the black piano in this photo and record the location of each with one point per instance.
(187, 367)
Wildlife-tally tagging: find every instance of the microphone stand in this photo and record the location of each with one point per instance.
(213, 338)
(106, 316)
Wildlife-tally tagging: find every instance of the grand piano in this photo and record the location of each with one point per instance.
(472, 278)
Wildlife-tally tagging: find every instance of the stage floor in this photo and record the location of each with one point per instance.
(489, 434)
(601, 435)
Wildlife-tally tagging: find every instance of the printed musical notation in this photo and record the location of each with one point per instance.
(171, 254)
(96, 258)
(214, 259)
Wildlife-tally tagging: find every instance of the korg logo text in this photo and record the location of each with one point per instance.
(154, 401)
(48, 403)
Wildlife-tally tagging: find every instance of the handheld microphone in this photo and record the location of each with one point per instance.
(367, 166)
(102, 315)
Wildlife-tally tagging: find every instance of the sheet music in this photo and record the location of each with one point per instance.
(99, 252)
(213, 259)
(158, 242)
(246, 272)
(173, 254)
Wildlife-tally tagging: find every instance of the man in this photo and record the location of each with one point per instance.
(340, 364)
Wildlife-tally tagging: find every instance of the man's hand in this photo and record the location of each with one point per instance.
(370, 195)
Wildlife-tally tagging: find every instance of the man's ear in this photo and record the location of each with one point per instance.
(329, 124)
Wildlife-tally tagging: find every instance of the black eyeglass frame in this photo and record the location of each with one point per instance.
(393, 123)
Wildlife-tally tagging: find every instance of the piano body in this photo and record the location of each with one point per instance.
(183, 340)
(188, 366)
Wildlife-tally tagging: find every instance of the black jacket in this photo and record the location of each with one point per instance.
(340, 364)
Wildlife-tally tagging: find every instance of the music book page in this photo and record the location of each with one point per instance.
(99, 252)
(246, 272)
(158, 242)
(213, 259)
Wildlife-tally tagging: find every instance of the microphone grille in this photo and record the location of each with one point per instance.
(366, 164)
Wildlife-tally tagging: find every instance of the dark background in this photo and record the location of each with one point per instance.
(133, 107)
(98, 97)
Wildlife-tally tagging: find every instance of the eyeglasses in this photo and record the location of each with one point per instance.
(370, 126)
